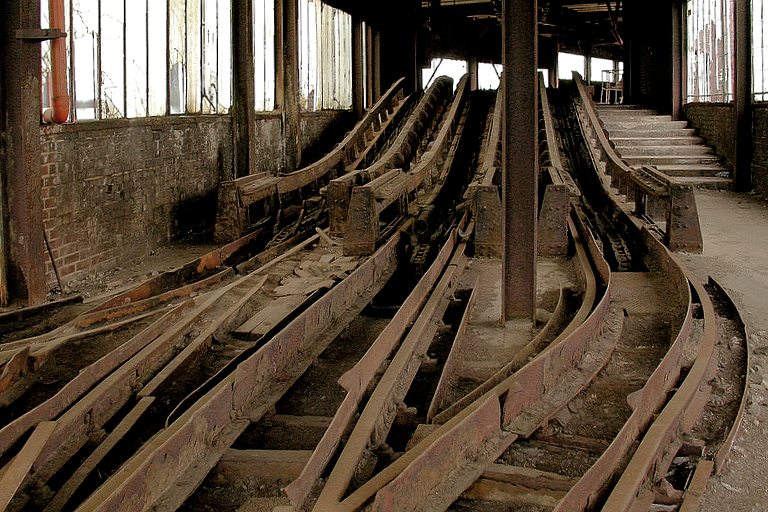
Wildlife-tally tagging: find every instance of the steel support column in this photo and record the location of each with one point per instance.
(743, 96)
(376, 66)
(358, 87)
(520, 56)
(21, 238)
(369, 72)
(291, 107)
(677, 60)
(243, 98)
(474, 71)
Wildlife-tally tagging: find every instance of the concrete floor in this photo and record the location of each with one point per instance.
(735, 229)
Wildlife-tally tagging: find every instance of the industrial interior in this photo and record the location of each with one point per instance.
(338, 256)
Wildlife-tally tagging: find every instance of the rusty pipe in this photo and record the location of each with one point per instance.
(60, 101)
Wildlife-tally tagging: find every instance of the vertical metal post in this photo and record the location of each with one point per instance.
(369, 65)
(520, 165)
(474, 71)
(743, 96)
(677, 60)
(244, 94)
(588, 65)
(376, 65)
(358, 93)
(22, 246)
(291, 108)
(554, 70)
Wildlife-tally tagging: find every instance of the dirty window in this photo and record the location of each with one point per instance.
(760, 50)
(710, 52)
(264, 54)
(325, 56)
(138, 58)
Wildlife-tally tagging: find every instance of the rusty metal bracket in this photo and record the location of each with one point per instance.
(38, 35)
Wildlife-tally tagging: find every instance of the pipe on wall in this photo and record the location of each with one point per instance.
(60, 111)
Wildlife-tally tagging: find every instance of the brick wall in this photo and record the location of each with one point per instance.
(760, 148)
(114, 190)
(716, 122)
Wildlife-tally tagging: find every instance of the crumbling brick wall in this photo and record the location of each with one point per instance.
(115, 190)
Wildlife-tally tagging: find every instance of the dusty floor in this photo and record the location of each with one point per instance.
(735, 228)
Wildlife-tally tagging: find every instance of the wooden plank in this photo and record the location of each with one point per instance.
(272, 465)
(87, 378)
(264, 320)
(203, 340)
(19, 469)
(487, 490)
(530, 478)
(86, 468)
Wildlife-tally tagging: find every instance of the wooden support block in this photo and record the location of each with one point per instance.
(86, 468)
(19, 468)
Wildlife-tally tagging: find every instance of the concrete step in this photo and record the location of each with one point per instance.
(651, 134)
(638, 160)
(635, 110)
(657, 141)
(664, 150)
(645, 125)
(689, 170)
(706, 182)
(627, 117)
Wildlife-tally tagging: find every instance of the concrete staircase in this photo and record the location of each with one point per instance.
(643, 137)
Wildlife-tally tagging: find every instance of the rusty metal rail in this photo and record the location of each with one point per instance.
(174, 463)
(683, 232)
(457, 452)
(369, 201)
(400, 154)
(235, 196)
(663, 439)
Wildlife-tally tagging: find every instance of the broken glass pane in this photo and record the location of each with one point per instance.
(210, 56)
(112, 59)
(136, 59)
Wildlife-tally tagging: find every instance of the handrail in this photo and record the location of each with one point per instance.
(396, 156)
(344, 152)
(369, 201)
(683, 231)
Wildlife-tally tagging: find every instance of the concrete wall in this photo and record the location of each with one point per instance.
(716, 122)
(115, 190)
